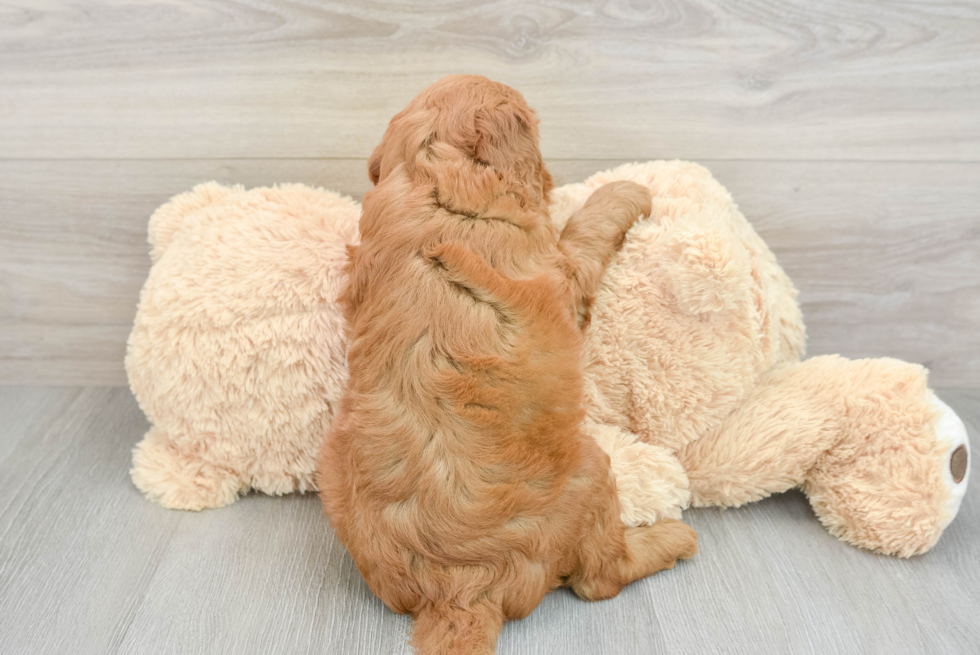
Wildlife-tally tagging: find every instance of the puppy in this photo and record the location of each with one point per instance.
(455, 471)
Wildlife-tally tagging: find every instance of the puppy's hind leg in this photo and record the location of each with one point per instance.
(611, 555)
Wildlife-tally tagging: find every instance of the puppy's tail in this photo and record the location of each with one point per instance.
(446, 628)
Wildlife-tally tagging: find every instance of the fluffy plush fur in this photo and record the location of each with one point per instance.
(692, 372)
(455, 471)
(694, 349)
(237, 352)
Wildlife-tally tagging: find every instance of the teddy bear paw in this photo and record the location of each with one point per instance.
(177, 480)
(650, 481)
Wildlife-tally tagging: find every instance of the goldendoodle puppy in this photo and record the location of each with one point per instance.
(455, 471)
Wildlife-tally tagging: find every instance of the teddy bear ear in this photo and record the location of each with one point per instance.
(168, 220)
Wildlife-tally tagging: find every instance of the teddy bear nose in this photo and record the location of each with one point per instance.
(958, 463)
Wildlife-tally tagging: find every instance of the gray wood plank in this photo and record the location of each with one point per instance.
(78, 545)
(88, 566)
(27, 411)
(691, 79)
(74, 255)
(267, 576)
(886, 255)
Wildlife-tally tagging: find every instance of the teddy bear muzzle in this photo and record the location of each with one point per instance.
(952, 434)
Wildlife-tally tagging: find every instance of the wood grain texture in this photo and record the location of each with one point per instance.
(886, 254)
(76, 548)
(620, 79)
(848, 131)
(88, 566)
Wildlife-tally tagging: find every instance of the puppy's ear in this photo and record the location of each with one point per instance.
(463, 186)
(359, 271)
(548, 183)
(374, 165)
(486, 160)
(508, 143)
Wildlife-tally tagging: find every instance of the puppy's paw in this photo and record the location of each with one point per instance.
(657, 547)
(624, 201)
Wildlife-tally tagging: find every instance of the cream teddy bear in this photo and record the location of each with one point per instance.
(237, 354)
(693, 364)
(695, 386)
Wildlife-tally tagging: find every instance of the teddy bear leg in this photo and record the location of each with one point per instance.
(178, 480)
(768, 443)
(896, 478)
(167, 220)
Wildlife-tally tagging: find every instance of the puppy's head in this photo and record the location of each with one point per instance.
(474, 140)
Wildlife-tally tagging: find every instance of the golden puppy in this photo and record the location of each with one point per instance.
(455, 472)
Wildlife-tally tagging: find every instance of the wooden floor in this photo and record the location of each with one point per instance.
(847, 130)
(88, 566)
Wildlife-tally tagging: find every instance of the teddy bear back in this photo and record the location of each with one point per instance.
(237, 334)
(689, 315)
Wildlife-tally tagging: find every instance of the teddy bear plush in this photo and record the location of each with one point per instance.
(237, 354)
(695, 384)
